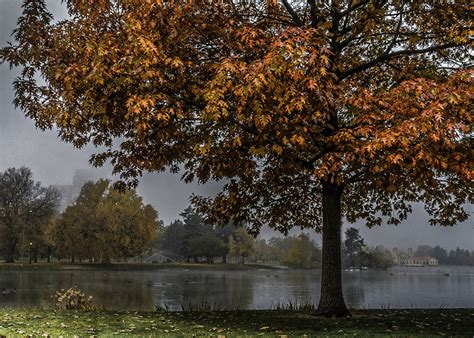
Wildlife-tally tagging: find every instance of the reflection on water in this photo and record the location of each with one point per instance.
(399, 287)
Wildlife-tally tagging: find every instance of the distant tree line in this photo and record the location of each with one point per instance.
(193, 240)
(293, 251)
(101, 225)
(356, 254)
(445, 257)
(104, 225)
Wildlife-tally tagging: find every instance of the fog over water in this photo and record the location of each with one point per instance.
(54, 162)
(399, 287)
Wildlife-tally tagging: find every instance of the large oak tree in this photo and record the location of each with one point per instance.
(312, 110)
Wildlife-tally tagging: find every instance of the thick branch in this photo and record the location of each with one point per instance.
(387, 56)
(352, 8)
(313, 12)
(296, 19)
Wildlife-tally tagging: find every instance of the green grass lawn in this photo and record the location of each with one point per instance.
(270, 323)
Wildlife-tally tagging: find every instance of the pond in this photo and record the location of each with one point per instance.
(400, 287)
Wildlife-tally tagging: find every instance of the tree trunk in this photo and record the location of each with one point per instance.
(9, 258)
(10, 253)
(224, 259)
(331, 303)
(48, 254)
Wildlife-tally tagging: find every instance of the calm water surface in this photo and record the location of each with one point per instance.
(397, 288)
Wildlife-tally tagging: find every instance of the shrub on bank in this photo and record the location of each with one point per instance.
(73, 299)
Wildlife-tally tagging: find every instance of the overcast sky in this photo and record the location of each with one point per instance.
(54, 162)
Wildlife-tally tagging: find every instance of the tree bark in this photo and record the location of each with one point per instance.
(10, 252)
(9, 258)
(331, 303)
(48, 254)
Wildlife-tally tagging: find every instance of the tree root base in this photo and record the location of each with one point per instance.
(333, 313)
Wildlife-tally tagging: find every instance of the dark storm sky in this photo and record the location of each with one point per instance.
(54, 162)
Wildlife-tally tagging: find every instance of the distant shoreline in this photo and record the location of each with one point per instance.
(134, 266)
(59, 266)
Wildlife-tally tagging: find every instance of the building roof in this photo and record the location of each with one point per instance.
(422, 258)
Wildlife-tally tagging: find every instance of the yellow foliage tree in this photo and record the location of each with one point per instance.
(302, 253)
(104, 224)
(241, 244)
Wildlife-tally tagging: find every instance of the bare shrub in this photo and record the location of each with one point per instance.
(74, 299)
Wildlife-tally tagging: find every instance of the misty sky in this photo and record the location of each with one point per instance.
(54, 162)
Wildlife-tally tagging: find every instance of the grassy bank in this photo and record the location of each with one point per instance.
(129, 267)
(413, 322)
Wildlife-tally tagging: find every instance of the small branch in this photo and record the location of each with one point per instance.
(353, 8)
(296, 19)
(395, 36)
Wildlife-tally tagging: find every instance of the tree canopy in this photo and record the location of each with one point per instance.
(241, 244)
(193, 238)
(353, 244)
(178, 83)
(25, 207)
(361, 107)
(302, 253)
(105, 224)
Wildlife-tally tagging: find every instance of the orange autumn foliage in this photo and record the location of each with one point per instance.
(367, 104)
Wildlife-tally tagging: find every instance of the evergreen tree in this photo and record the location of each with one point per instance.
(353, 244)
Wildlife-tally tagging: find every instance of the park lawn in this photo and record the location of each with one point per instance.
(270, 323)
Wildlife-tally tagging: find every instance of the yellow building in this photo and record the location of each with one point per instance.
(400, 258)
(421, 261)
